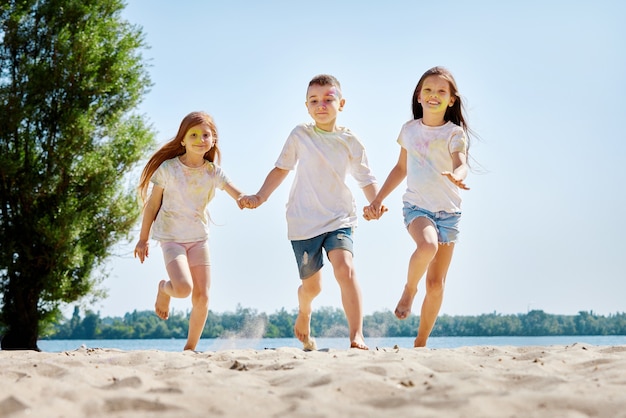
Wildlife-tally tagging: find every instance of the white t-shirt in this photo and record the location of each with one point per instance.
(320, 201)
(183, 215)
(429, 152)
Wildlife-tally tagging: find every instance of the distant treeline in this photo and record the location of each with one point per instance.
(330, 322)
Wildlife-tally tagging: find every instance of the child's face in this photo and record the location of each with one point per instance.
(435, 95)
(323, 104)
(199, 139)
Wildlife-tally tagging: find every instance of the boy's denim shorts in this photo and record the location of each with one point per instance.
(446, 224)
(308, 252)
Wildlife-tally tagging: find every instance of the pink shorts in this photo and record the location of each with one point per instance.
(196, 253)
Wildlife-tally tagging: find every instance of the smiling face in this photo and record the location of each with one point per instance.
(198, 139)
(323, 104)
(435, 96)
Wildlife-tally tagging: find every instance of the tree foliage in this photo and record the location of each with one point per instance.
(331, 322)
(71, 73)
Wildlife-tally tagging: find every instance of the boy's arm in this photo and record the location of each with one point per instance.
(272, 181)
(395, 177)
(370, 191)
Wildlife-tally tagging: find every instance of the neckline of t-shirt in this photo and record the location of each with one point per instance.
(191, 168)
(338, 129)
(421, 122)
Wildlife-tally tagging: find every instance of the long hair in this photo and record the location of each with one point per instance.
(174, 148)
(455, 113)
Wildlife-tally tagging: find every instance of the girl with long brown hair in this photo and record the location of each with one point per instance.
(184, 175)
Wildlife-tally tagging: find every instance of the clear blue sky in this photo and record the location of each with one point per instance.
(544, 84)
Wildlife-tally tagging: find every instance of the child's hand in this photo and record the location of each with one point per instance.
(142, 249)
(459, 182)
(374, 211)
(249, 202)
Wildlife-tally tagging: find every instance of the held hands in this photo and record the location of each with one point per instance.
(240, 202)
(142, 249)
(457, 181)
(249, 201)
(374, 211)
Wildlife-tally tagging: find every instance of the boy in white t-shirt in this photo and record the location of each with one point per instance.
(321, 211)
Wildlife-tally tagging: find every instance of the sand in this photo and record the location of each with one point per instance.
(578, 380)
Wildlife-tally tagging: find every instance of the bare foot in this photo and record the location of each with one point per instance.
(360, 345)
(162, 305)
(309, 344)
(419, 343)
(403, 309)
(302, 327)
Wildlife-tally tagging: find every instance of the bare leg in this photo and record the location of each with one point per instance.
(343, 268)
(308, 290)
(424, 234)
(435, 284)
(179, 286)
(199, 304)
(162, 304)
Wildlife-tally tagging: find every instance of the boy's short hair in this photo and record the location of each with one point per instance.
(325, 80)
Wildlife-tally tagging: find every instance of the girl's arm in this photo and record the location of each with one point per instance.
(395, 177)
(235, 193)
(459, 170)
(272, 181)
(150, 211)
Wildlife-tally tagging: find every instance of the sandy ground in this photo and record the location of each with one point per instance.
(578, 380)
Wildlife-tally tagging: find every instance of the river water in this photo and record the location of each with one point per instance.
(216, 344)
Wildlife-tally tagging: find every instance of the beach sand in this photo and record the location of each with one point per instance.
(578, 380)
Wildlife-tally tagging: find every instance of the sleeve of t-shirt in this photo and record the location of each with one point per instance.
(458, 142)
(160, 176)
(400, 139)
(221, 179)
(288, 157)
(359, 165)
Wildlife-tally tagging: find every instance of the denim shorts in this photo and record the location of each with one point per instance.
(197, 253)
(446, 224)
(308, 252)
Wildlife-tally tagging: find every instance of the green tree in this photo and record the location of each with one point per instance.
(90, 327)
(71, 75)
(329, 322)
(213, 326)
(280, 324)
(538, 323)
(145, 324)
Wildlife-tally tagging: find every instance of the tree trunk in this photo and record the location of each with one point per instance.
(21, 318)
(20, 339)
